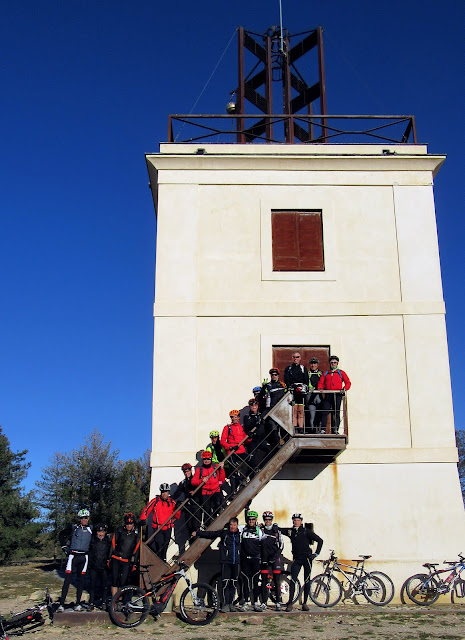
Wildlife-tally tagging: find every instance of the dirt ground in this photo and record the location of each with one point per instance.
(344, 622)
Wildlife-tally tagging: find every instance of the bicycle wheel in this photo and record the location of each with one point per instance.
(129, 607)
(387, 584)
(421, 589)
(458, 591)
(199, 604)
(285, 588)
(325, 591)
(373, 589)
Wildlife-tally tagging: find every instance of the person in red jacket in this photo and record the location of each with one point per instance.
(212, 476)
(333, 380)
(161, 508)
(232, 439)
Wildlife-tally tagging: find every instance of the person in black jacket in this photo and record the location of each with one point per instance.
(191, 510)
(302, 555)
(254, 426)
(230, 556)
(125, 547)
(296, 375)
(314, 398)
(273, 391)
(99, 551)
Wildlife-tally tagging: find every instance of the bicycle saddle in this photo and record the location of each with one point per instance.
(365, 557)
(431, 564)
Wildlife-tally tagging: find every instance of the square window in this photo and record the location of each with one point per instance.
(297, 240)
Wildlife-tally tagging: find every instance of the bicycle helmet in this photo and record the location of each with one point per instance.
(314, 361)
(252, 401)
(267, 514)
(333, 358)
(274, 370)
(186, 466)
(214, 434)
(297, 515)
(100, 527)
(234, 412)
(129, 518)
(251, 514)
(84, 513)
(206, 455)
(164, 487)
(256, 389)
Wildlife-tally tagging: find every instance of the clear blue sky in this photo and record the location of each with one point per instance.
(86, 90)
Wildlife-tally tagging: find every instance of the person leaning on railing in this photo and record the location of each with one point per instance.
(333, 380)
(210, 476)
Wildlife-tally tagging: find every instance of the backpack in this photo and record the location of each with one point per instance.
(335, 371)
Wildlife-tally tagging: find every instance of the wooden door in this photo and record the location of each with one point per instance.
(282, 356)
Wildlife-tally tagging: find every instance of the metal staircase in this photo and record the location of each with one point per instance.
(307, 448)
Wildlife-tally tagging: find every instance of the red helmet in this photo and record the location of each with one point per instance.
(206, 455)
(268, 514)
(186, 466)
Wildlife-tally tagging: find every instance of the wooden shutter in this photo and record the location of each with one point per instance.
(297, 238)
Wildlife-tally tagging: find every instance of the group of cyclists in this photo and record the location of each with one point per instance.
(254, 551)
(109, 559)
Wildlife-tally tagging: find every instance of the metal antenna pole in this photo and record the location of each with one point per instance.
(281, 24)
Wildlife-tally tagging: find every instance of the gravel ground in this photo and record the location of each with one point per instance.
(343, 623)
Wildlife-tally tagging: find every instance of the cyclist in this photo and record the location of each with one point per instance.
(99, 551)
(215, 447)
(271, 549)
(335, 380)
(232, 439)
(273, 392)
(161, 508)
(302, 555)
(75, 541)
(230, 554)
(125, 547)
(192, 517)
(213, 477)
(254, 426)
(251, 536)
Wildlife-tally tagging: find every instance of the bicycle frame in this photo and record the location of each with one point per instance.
(446, 585)
(170, 581)
(31, 617)
(354, 577)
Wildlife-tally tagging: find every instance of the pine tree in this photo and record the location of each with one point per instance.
(18, 530)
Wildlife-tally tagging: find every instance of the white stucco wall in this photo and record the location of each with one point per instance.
(219, 309)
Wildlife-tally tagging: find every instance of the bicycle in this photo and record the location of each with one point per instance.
(130, 606)
(285, 583)
(27, 619)
(423, 589)
(326, 590)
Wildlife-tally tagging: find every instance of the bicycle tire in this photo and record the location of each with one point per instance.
(387, 584)
(129, 607)
(325, 590)
(373, 590)
(285, 588)
(458, 592)
(200, 609)
(419, 593)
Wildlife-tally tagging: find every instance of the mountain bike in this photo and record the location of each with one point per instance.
(285, 583)
(131, 605)
(27, 619)
(424, 589)
(326, 590)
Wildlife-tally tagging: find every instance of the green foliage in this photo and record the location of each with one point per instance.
(460, 439)
(93, 477)
(18, 532)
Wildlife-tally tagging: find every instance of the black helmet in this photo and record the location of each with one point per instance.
(314, 361)
(129, 518)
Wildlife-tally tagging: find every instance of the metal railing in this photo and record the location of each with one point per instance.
(304, 129)
(260, 451)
